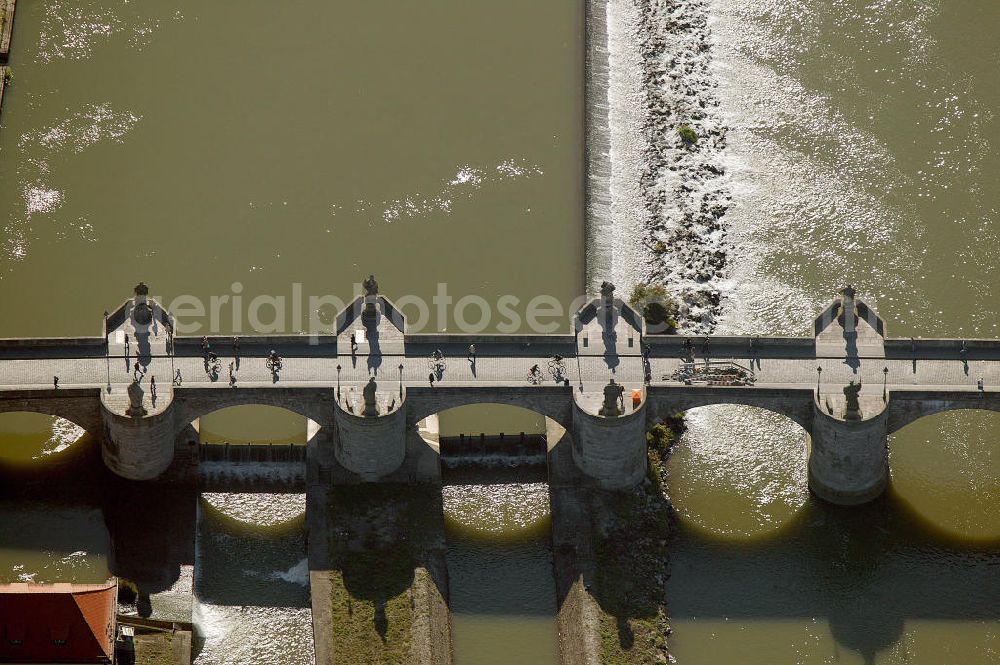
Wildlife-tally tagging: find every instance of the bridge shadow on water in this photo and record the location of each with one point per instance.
(149, 527)
(868, 570)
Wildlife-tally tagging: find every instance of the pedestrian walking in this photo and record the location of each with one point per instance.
(236, 347)
(354, 343)
(430, 377)
(55, 382)
(152, 385)
(205, 346)
(980, 386)
(705, 350)
(178, 379)
(472, 353)
(232, 375)
(135, 371)
(126, 345)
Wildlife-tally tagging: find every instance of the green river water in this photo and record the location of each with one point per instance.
(245, 149)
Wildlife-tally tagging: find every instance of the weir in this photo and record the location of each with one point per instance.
(369, 383)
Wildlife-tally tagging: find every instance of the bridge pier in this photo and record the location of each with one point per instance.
(370, 446)
(611, 451)
(848, 459)
(138, 448)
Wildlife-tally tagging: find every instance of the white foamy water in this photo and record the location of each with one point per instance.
(73, 32)
(258, 509)
(96, 122)
(462, 186)
(252, 581)
(498, 508)
(64, 434)
(297, 574)
(247, 635)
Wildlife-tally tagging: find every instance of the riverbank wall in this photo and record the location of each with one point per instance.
(7, 8)
(6, 32)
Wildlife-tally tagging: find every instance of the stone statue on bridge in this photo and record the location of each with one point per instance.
(851, 391)
(135, 396)
(370, 312)
(614, 400)
(371, 406)
(142, 313)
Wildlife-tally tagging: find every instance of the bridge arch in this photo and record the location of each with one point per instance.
(665, 401)
(555, 402)
(80, 407)
(944, 470)
(312, 403)
(910, 407)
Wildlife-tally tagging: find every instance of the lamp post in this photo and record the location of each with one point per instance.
(107, 348)
(885, 384)
(401, 383)
(819, 375)
(338, 382)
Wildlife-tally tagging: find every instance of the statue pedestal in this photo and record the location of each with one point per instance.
(371, 403)
(370, 312)
(135, 407)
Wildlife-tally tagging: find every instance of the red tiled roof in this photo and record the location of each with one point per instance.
(58, 623)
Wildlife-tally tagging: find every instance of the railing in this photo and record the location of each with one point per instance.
(472, 446)
(253, 453)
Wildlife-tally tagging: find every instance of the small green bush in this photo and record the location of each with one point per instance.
(656, 306)
(688, 135)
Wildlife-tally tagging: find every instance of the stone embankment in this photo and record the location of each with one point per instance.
(6, 31)
(378, 577)
(610, 552)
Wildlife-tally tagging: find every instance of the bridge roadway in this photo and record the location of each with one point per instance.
(934, 367)
(802, 378)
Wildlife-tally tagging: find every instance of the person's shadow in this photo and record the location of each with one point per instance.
(609, 336)
(374, 350)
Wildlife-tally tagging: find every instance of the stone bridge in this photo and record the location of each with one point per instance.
(368, 383)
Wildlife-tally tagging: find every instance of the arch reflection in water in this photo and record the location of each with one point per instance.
(27, 437)
(947, 468)
(760, 567)
(497, 522)
(502, 589)
(738, 471)
(252, 609)
(853, 585)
